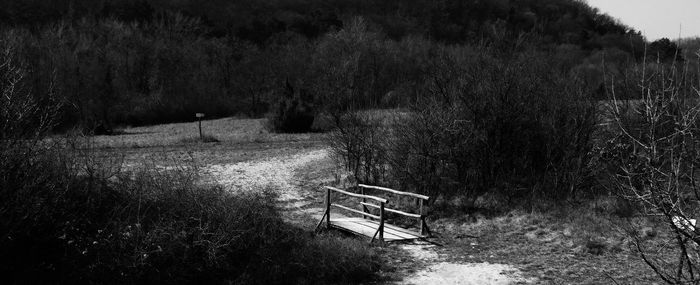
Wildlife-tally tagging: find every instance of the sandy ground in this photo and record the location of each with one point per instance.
(278, 173)
(440, 271)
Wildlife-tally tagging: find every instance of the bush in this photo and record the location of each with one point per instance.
(361, 143)
(293, 113)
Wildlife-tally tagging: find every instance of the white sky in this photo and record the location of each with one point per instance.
(655, 18)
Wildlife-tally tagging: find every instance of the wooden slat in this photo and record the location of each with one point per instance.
(361, 230)
(399, 229)
(380, 200)
(369, 227)
(353, 226)
(419, 196)
(392, 210)
(356, 211)
(394, 230)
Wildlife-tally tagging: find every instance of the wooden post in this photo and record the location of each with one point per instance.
(422, 220)
(364, 208)
(381, 222)
(199, 118)
(328, 208)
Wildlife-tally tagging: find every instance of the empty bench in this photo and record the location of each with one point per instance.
(371, 225)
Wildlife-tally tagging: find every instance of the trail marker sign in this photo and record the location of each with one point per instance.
(199, 118)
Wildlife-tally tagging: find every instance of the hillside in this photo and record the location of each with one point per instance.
(557, 21)
(136, 62)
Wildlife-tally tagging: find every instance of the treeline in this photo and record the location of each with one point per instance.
(134, 62)
(113, 72)
(572, 22)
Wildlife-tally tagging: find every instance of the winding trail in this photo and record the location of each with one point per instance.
(275, 172)
(278, 173)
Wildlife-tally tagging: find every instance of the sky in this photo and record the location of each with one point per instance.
(655, 18)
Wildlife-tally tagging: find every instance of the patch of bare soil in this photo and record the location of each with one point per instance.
(441, 271)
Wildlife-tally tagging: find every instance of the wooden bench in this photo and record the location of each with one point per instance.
(370, 225)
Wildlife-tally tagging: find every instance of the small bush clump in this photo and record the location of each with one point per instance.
(293, 113)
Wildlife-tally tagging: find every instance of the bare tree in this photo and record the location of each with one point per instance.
(658, 169)
(22, 114)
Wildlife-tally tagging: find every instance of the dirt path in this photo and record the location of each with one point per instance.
(279, 173)
(276, 172)
(440, 271)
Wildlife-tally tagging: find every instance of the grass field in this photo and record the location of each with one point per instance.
(226, 130)
(230, 140)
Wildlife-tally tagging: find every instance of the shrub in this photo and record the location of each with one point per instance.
(293, 113)
(361, 143)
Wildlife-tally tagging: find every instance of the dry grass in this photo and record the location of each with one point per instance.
(580, 246)
(226, 130)
(229, 140)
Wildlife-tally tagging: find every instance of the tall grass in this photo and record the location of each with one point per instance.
(158, 226)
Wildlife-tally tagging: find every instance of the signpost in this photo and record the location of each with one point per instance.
(199, 118)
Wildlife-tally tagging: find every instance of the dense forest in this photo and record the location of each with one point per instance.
(135, 62)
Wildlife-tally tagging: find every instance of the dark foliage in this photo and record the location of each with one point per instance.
(500, 124)
(664, 50)
(294, 113)
(511, 126)
(134, 62)
(453, 21)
